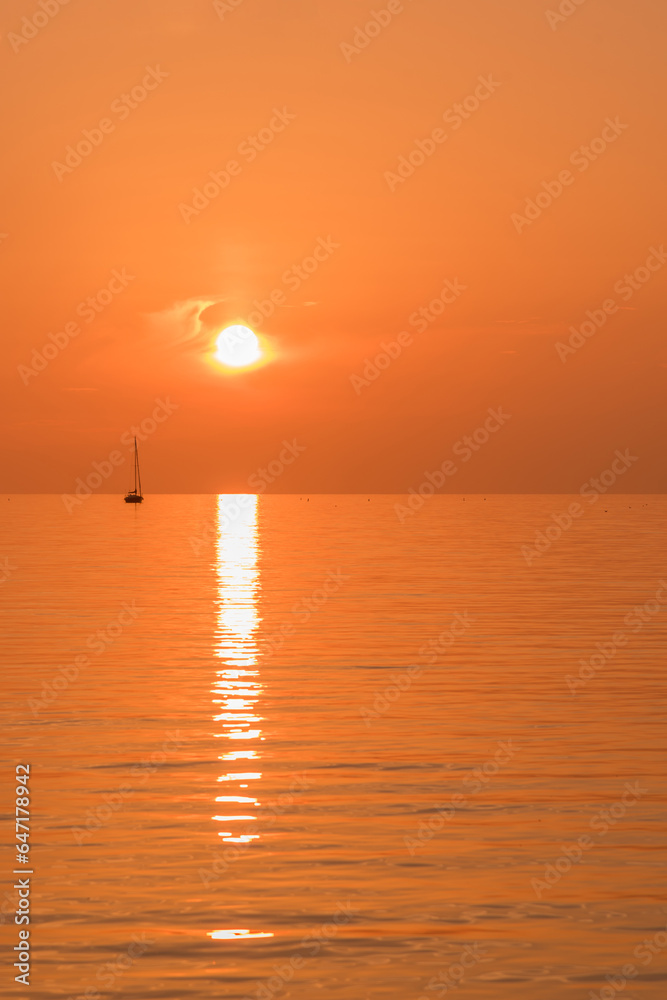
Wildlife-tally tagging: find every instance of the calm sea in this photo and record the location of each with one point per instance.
(298, 747)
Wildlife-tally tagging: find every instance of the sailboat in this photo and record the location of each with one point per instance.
(134, 496)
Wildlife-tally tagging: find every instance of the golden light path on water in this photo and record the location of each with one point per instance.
(237, 688)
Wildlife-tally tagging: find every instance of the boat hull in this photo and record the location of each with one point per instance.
(134, 499)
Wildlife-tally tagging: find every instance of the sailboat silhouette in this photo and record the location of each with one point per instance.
(134, 496)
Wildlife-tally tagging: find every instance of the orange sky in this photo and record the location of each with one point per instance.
(341, 120)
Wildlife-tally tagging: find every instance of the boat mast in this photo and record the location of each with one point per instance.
(137, 474)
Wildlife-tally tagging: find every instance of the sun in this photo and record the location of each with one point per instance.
(237, 347)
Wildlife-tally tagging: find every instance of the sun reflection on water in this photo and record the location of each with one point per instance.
(237, 935)
(237, 687)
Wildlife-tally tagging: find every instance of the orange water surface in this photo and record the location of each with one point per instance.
(312, 749)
